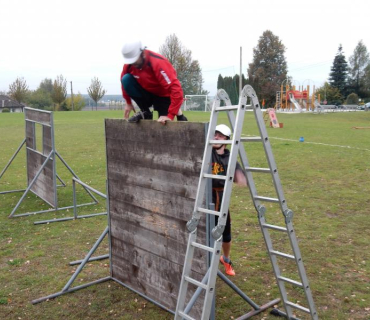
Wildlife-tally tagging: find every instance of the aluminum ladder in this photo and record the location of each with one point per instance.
(238, 147)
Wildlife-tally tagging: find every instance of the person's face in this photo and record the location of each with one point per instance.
(219, 136)
(139, 62)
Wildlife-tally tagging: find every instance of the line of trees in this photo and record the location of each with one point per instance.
(348, 81)
(52, 94)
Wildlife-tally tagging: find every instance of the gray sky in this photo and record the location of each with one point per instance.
(82, 39)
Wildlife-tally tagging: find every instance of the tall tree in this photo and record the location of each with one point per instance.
(18, 90)
(330, 94)
(96, 91)
(59, 93)
(358, 63)
(188, 70)
(40, 99)
(231, 86)
(339, 72)
(269, 67)
(46, 85)
(78, 102)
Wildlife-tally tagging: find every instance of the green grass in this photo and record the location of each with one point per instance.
(325, 181)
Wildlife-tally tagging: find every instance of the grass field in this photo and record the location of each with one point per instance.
(326, 181)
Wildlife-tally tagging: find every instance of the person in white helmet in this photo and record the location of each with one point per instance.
(149, 79)
(220, 162)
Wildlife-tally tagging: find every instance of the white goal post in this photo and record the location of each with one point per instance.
(198, 102)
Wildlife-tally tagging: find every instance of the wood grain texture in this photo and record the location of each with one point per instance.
(44, 186)
(153, 173)
(43, 117)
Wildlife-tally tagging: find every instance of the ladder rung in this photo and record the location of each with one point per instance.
(271, 226)
(251, 169)
(227, 108)
(216, 213)
(220, 141)
(267, 199)
(197, 283)
(201, 246)
(251, 139)
(296, 283)
(185, 316)
(214, 176)
(297, 306)
(281, 254)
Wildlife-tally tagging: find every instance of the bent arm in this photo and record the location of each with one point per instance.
(240, 178)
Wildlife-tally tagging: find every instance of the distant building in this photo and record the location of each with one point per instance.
(8, 103)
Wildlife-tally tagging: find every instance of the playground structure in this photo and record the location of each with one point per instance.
(290, 99)
(41, 156)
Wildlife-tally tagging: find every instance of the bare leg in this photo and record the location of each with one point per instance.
(226, 248)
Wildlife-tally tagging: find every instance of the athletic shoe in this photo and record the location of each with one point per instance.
(182, 118)
(147, 115)
(228, 266)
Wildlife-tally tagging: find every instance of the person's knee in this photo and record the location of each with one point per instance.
(226, 238)
(127, 81)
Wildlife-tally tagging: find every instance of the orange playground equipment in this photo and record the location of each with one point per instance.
(300, 100)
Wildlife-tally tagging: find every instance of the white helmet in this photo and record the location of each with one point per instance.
(131, 51)
(224, 129)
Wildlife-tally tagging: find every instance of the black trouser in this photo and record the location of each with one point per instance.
(143, 98)
(217, 194)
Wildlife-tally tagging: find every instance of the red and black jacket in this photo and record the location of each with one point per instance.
(159, 77)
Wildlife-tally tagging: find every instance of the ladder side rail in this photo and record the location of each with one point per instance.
(185, 273)
(301, 270)
(267, 147)
(244, 158)
(225, 203)
(266, 235)
(232, 165)
(260, 213)
(207, 158)
(287, 213)
(210, 291)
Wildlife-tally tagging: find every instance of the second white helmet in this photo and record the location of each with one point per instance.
(131, 51)
(224, 129)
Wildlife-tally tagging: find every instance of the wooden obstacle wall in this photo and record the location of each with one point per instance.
(45, 185)
(153, 173)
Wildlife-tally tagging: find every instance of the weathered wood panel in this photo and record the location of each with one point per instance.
(43, 117)
(47, 140)
(30, 135)
(44, 186)
(153, 174)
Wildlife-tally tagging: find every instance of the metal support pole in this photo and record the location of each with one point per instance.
(70, 290)
(31, 184)
(104, 256)
(97, 243)
(12, 158)
(71, 171)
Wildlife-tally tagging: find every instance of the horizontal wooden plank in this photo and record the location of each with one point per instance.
(43, 117)
(156, 243)
(186, 134)
(147, 273)
(168, 226)
(160, 180)
(152, 200)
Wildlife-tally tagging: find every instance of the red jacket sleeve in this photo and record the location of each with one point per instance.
(167, 77)
(124, 93)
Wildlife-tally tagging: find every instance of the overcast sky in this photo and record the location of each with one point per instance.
(82, 39)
